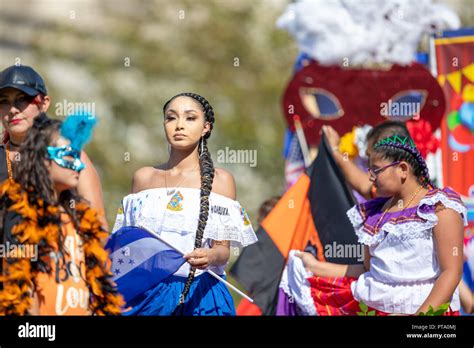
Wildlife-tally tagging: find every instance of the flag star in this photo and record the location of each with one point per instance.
(117, 271)
(131, 261)
(120, 261)
(124, 252)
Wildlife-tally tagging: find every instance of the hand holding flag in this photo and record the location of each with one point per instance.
(141, 259)
(200, 258)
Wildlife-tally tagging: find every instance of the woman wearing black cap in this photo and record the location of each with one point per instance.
(23, 96)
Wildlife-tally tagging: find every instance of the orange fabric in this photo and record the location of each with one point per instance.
(306, 231)
(245, 307)
(333, 296)
(64, 291)
(290, 224)
(456, 164)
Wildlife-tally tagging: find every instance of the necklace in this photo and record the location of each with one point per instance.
(386, 210)
(173, 190)
(9, 162)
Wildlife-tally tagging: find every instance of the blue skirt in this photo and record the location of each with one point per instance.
(207, 296)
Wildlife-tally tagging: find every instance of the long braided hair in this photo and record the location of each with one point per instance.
(207, 177)
(402, 148)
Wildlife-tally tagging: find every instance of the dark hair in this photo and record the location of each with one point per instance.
(31, 172)
(402, 148)
(207, 177)
(34, 177)
(386, 129)
(266, 207)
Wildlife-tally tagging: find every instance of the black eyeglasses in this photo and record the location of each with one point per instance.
(375, 172)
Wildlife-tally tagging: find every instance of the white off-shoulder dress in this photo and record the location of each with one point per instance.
(175, 218)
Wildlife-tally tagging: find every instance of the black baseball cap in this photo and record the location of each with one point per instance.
(24, 78)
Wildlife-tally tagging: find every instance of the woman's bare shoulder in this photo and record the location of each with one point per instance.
(224, 183)
(144, 177)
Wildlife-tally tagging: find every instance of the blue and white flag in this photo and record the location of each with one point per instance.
(140, 260)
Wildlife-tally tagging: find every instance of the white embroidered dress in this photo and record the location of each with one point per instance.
(404, 264)
(175, 219)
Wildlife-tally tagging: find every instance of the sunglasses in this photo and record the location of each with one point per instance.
(21, 101)
(375, 172)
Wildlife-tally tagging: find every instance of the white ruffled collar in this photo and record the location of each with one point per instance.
(413, 227)
(154, 209)
(162, 191)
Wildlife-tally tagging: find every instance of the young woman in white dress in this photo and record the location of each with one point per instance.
(191, 205)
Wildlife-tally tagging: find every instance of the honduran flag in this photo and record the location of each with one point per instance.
(310, 216)
(140, 260)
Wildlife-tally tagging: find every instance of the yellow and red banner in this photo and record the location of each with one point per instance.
(454, 53)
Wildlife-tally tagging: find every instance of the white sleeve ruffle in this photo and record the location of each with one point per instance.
(234, 227)
(449, 199)
(227, 219)
(411, 229)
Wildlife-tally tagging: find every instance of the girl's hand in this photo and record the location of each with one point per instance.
(309, 261)
(332, 136)
(200, 258)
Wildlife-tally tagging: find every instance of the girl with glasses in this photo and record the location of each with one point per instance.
(413, 237)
